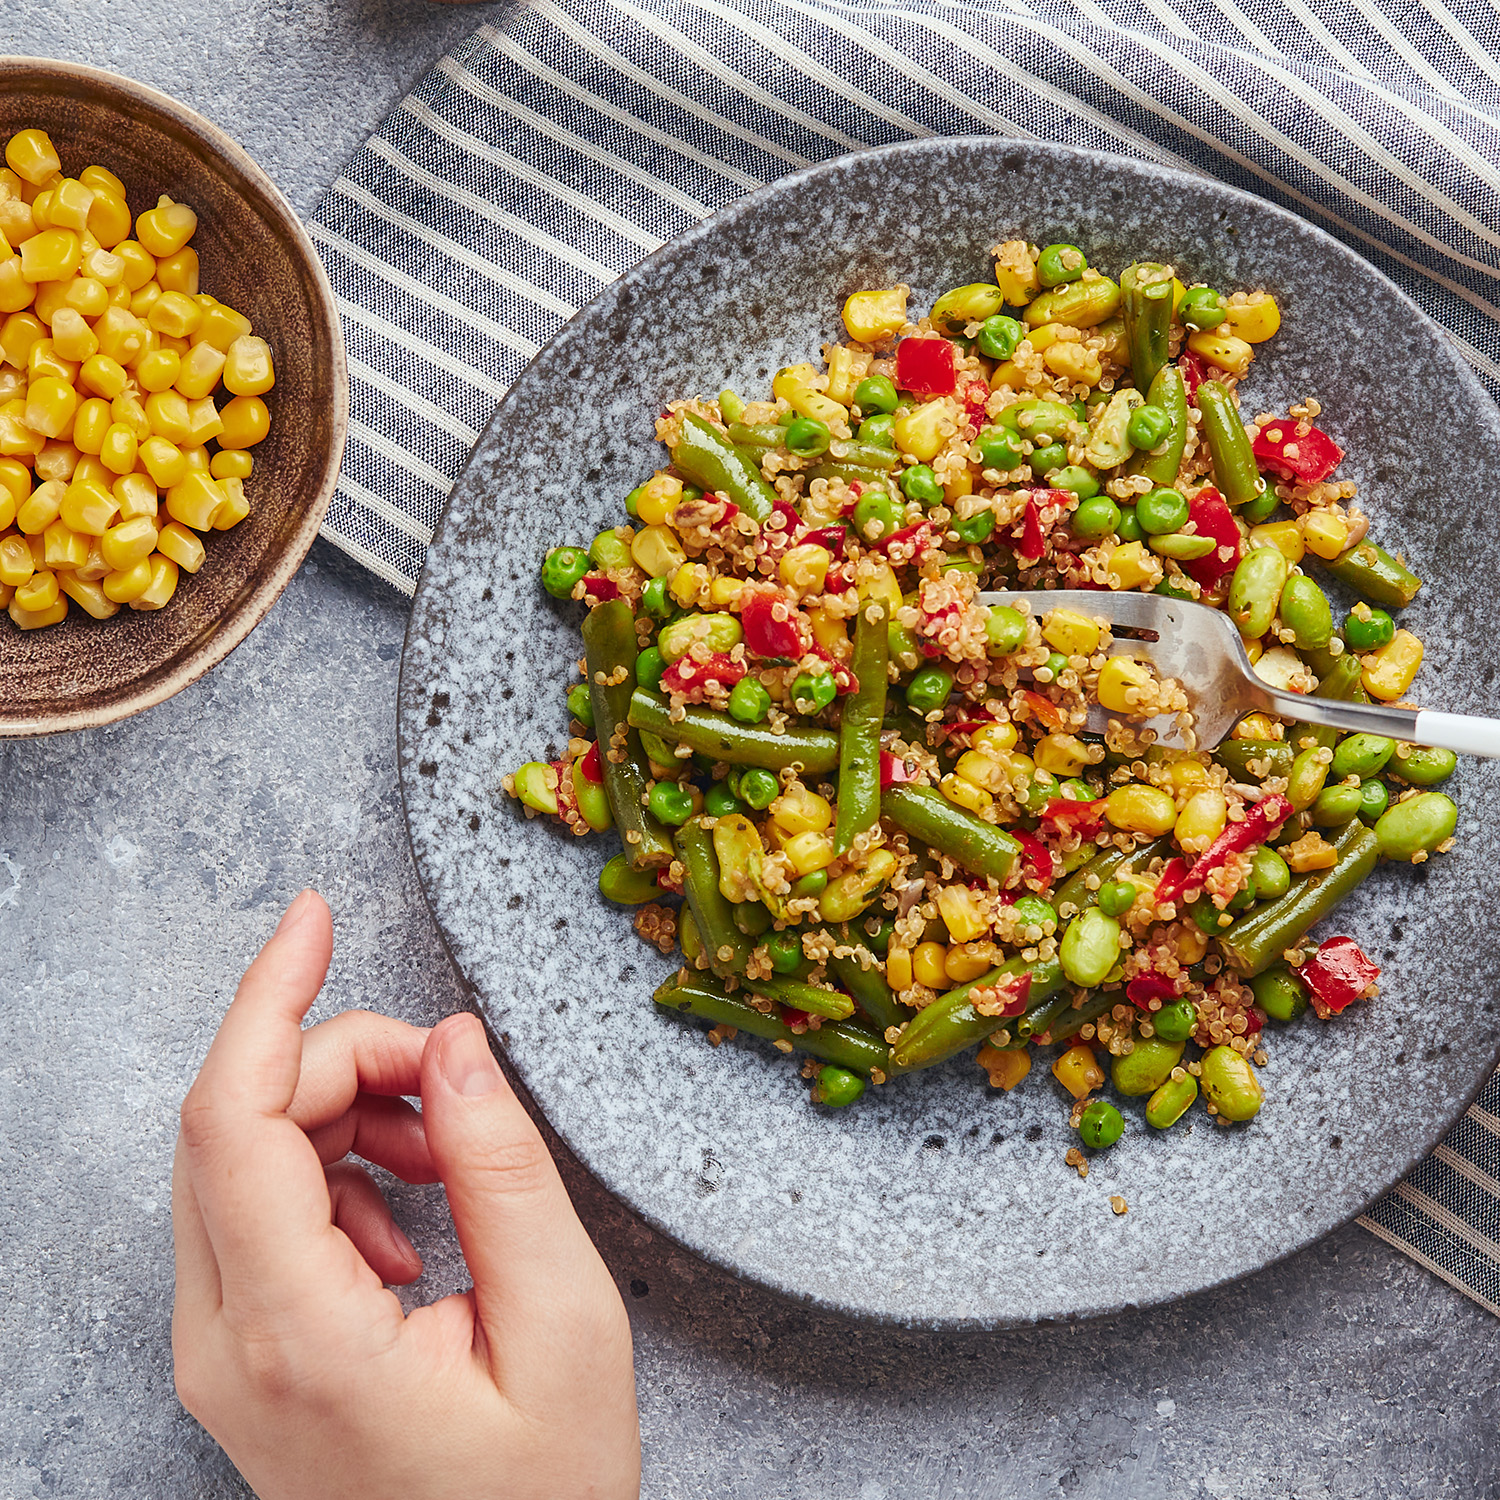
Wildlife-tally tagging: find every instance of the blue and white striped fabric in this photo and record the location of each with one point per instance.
(555, 148)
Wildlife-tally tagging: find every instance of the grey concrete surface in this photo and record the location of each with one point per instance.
(141, 866)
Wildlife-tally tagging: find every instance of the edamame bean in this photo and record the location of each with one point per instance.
(1176, 1021)
(719, 632)
(1145, 1067)
(1100, 1125)
(1374, 798)
(1424, 765)
(1230, 1084)
(1416, 826)
(967, 304)
(1076, 480)
(1270, 875)
(837, 1087)
(1171, 1102)
(1255, 590)
(1279, 993)
(1162, 511)
(1307, 778)
(580, 706)
(1363, 755)
(1090, 947)
(1305, 610)
(1368, 633)
(1335, 805)
(1004, 630)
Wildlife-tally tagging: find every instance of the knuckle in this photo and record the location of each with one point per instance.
(197, 1120)
(516, 1167)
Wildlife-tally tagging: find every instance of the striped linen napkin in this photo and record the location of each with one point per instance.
(553, 150)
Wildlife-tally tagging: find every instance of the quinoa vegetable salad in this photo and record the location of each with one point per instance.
(868, 809)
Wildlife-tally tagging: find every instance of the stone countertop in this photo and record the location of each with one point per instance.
(141, 866)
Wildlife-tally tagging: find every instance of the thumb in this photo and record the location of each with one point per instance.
(543, 1298)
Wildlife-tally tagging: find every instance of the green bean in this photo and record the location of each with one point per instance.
(871, 993)
(609, 643)
(1170, 395)
(1423, 765)
(1271, 757)
(1260, 937)
(1235, 471)
(950, 1023)
(1171, 1102)
(762, 435)
(1039, 1015)
(839, 1042)
(1255, 590)
(859, 729)
(800, 995)
(723, 942)
(925, 813)
(1146, 299)
(705, 456)
(1306, 612)
(1075, 889)
(1373, 573)
(721, 737)
(1145, 1067)
(1230, 1084)
(861, 474)
(1071, 1021)
(867, 455)
(1416, 826)
(1342, 682)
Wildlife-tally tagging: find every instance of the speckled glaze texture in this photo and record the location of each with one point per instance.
(937, 1201)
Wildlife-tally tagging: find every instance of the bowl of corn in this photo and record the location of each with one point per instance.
(173, 396)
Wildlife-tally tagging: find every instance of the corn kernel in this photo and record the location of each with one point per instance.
(163, 584)
(103, 376)
(166, 415)
(44, 362)
(89, 470)
(846, 368)
(830, 632)
(142, 301)
(71, 202)
(72, 337)
(1062, 754)
(1254, 321)
(1121, 682)
(656, 549)
(182, 546)
(89, 596)
(659, 495)
(175, 314)
(165, 229)
(807, 852)
(881, 586)
(179, 273)
(983, 770)
(1078, 1071)
(1131, 565)
(140, 266)
(51, 403)
(85, 295)
(965, 794)
(801, 387)
(16, 563)
(119, 297)
(202, 367)
(918, 430)
(158, 370)
(1222, 350)
(994, 739)
(31, 155)
(1141, 809)
(1075, 363)
(12, 384)
(103, 266)
(17, 222)
(163, 461)
(963, 913)
(798, 810)
(40, 508)
(38, 546)
(121, 334)
(872, 317)
(93, 568)
(805, 568)
(194, 499)
(129, 583)
(1006, 1066)
(39, 592)
(50, 255)
(248, 371)
(117, 452)
(90, 425)
(929, 965)
(127, 410)
(101, 178)
(196, 456)
(17, 334)
(898, 968)
(1192, 943)
(64, 550)
(25, 620)
(235, 507)
(221, 326)
(204, 424)
(15, 291)
(125, 544)
(15, 483)
(1184, 774)
(1325, 534)
(17, 440)
(1389, 671)
(1201, 820)
(722, 592)
(963, 964)
(135, 495)
(1283, 535)
(1015, 273)
(89, 507)
(109, 217)
(1070, 632)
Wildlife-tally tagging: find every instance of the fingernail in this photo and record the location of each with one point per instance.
(468, 1064)
(294, 913)
(404, 1247)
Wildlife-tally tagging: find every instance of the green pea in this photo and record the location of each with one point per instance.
(1162, 511)
(837, 1087)
(877, 515)
(1255, 590)
(1059, 264)
(1362, 755)
(1374, 798)
(562, 569)
(929, 689)
(655, 600)
(1116, 897)
(618, 882)
(1230, 1084)
(1004, 630)
(1040, 790)
(1056, 662)
(1076, 480)
(1416, 826)
(811, 884)
(807, 437)
(974, 529)
(1129, 529)
(1044, 460)
(1100, 1125)
(905, 646)
(1270, 875)
(581, 706)
(1261, 508)
(998, 337)
(1208, 916)
(879, 941)
(1202, 308)
(1172, 588)
(649, 666)
(1424, 765)
(879, 430)
(752, 918)
(1279, 993)
(1242, 900)
(633, 501)
(1171, 1102)
(1176, 1021)
(1032, 911)
(759, 787)
(812, 692)
(749, 702)
(1094, 518)
(1368, 634)
(1078, 790)
(876, 393)
(999, 448)
(919, 483)
(784, 949)
(1308, 774)
(1090, 947)
(719, 801)
(608, 551)
(1145, 1067)
(1305, 610)
(670, 802)
(1335, 805)
(1149, 426)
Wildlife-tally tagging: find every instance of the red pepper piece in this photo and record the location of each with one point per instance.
(1083, 818)
(1145, 988)
(788, 513)
(597, 589)
(1033, 542)
(918, 536)
(1308, 458)
(1212, 517)
(665, 882)
(1012, 991)
(589, 764)
(1035, 855)
(794, 1017)
(926, 367)
(765, 635)
(1259, 823)
(893, 771)
(1044, 708)
(829, 537)
(687, 676)
(1337, 974)
(975, 395)
(1254, 1020)
(836, 582)
(1193, 371)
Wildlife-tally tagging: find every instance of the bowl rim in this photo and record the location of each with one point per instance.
(232, 628)
(615, 1182)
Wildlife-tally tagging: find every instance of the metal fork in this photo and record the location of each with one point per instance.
(1201, 648)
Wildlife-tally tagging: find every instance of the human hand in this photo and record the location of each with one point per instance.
(287, 1346)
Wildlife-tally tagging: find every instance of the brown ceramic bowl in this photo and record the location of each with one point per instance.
(255, 256)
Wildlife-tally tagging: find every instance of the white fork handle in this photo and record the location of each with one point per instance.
(1458, 732)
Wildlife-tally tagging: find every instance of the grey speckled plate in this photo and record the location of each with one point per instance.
(937, 1201)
